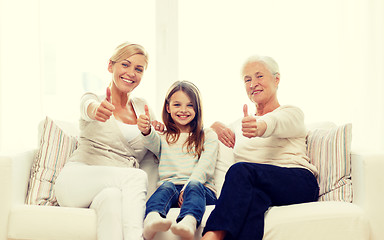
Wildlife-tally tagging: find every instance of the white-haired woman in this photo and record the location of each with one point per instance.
(271, 166)
(103, 172)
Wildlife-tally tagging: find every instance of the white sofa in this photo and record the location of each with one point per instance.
(330, 220)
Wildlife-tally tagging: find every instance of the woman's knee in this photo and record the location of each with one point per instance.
(238, 169)
(136, 177)
(107, 198)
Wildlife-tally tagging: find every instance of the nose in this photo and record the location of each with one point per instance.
(131, 72)
(253, 83)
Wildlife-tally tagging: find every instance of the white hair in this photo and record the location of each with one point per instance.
(269, 63)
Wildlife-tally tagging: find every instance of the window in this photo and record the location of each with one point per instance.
(77, 40)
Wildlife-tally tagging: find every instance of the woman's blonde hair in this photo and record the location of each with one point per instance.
(126, 50)
(195, 141)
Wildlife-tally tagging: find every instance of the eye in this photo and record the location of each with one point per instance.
(139, 70)
(176, 104)
(190, 105)
(124, 64)
(247, 80)
(259, 76)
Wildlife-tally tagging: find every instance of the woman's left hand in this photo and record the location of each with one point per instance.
(250, 126)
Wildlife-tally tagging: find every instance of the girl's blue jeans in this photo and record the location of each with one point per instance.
(196, 196)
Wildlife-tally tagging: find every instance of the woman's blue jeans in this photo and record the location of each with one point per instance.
(250, 189)
(195, 197)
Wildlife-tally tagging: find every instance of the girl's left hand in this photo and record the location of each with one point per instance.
(181, 199)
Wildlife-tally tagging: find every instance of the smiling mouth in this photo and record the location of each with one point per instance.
(183, 116)
(127, 80)
(256, 92)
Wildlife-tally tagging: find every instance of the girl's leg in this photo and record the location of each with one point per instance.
(80, 185)
(163, 199)
(196, 196)
(157, 207)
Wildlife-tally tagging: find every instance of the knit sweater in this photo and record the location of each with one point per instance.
(177, 165)
(103, 143)
(283, 143)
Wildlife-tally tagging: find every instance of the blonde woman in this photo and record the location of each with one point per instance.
(103, 172)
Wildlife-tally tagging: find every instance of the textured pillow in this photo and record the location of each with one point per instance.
(329, 150)
(55, 148)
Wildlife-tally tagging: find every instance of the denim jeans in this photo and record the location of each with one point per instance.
(250, 189)
(196, 196)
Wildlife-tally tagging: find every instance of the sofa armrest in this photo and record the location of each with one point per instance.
(14, 177)
(5, 196)
(21, 170)
(368, 185)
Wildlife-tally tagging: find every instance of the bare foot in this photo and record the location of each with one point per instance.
(214, 235)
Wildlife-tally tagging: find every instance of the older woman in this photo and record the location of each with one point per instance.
(271, 166)
(103, 172)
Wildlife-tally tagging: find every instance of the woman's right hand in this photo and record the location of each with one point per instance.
(224, 134)
(104, 110)
(143, 122)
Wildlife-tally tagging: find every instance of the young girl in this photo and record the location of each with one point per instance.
(187, 156)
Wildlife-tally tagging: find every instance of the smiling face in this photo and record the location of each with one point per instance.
(127, 73)
(181, 109)
(260, 83)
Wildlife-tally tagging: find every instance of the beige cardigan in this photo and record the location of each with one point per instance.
(104, 144)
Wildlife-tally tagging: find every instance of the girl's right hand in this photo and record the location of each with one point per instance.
(143, 122)
(105, 110)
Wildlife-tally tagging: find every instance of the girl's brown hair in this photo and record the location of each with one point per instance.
(195, 141)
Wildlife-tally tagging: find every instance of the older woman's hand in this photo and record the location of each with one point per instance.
(250, 126)
(224, 134)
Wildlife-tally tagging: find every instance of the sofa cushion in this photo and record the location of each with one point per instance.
(331, 220)
(329, 149)
(51, 222)
(55, 148)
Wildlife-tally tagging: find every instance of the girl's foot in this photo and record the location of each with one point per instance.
(154, 223)
(185, 228)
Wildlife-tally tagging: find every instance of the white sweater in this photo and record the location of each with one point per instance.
(283, 143)
(180, 167)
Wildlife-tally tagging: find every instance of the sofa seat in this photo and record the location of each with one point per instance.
(51, 223)
(319, 220)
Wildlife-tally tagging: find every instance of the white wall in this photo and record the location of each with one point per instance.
(20, 95)
(330, 54)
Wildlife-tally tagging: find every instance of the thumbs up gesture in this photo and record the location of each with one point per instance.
(105, 110)
(250, 126)
(143, 122)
